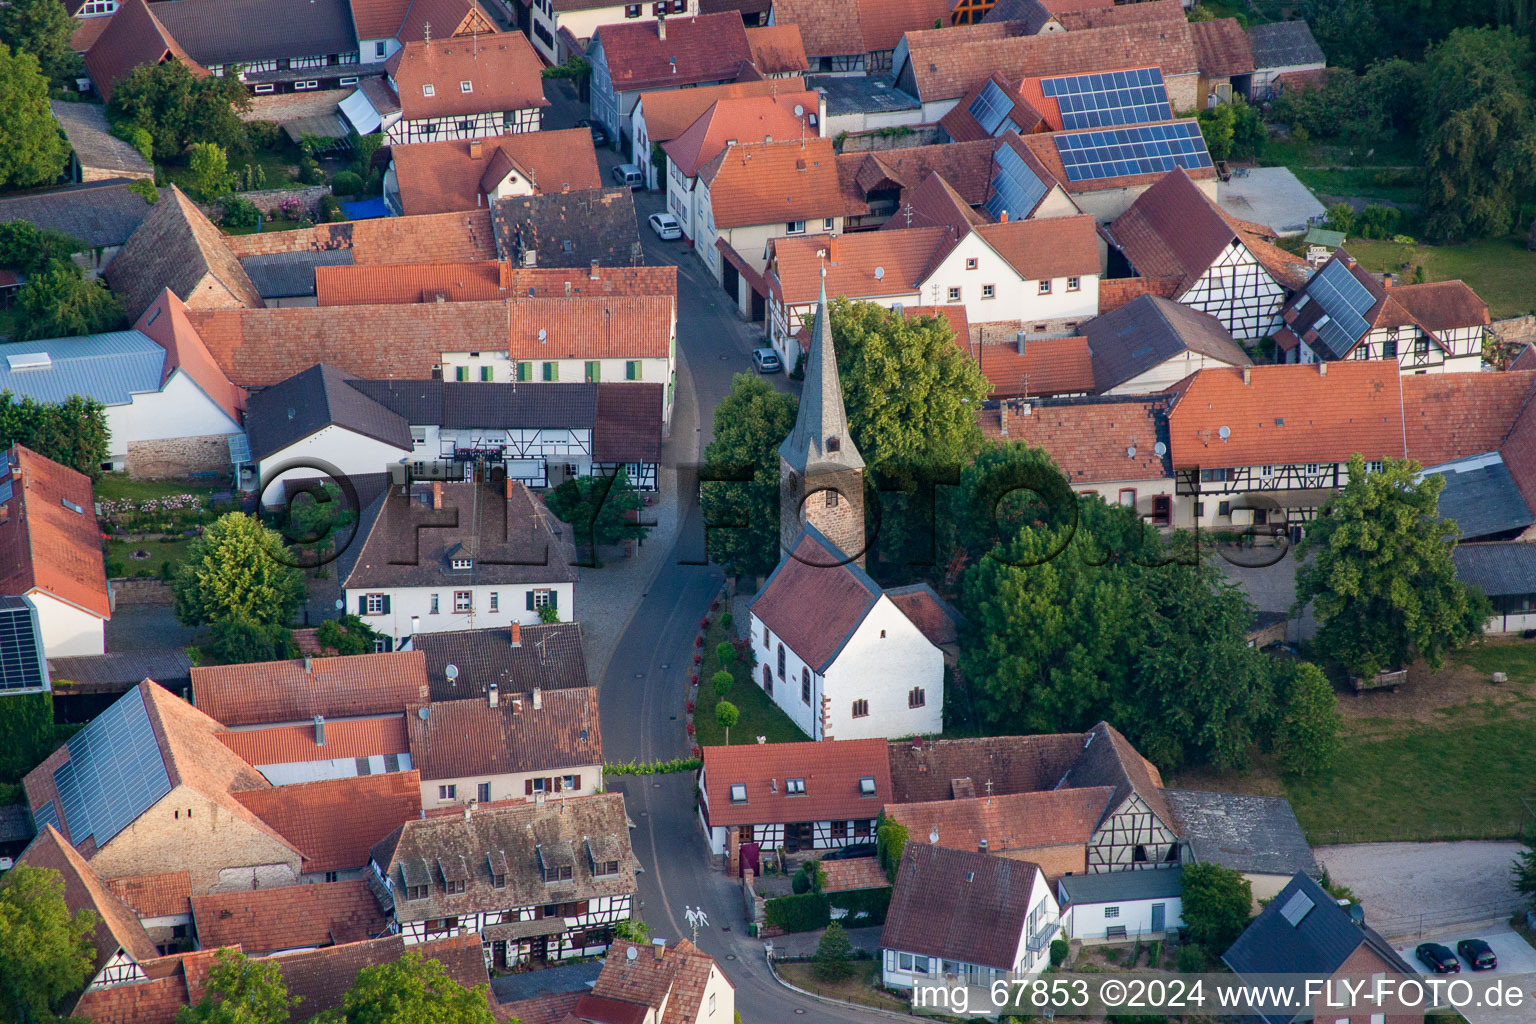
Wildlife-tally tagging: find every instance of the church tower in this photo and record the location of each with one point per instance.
(819, 455)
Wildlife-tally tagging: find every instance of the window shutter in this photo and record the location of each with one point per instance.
(389, 643)
(528, 787)
(557, 783)
(576, 780)
(554, 599)
(362, 604)
(386, 604)
(530, 600)
(549, 785)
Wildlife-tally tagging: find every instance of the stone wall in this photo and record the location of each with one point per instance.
(864, 142)
(176, 457)
(141, 590)
(269, 199)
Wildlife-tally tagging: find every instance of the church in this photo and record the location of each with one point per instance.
(842, 657)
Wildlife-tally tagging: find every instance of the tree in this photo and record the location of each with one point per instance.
(1006, 487)
(1307, 737)
(238, 640)
(414, 990)
(351, 635)
(1479, 135)
(45, 951)
(1383, 580)
(725, 650)
(61, 303)
(178, 109)
(31, 250)
(727, 714)
(1524, 872)
(210, 170)
(1341, 217)
(632, 929)
(237, 570)
(740, 492)
(72, 432)
(42, 28)
(834, 954)
(32, 152)
(599, 507)
(1216, 904)
(890, 841)
(240, 990)
(722, 682)
(1217, 124)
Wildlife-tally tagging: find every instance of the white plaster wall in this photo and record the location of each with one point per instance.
(293, 772)
(350, 452)
(786, 690)
(881, 669)
(180, 409)
(405, 602)
(1087, 921)
(724, 995)
(67, 630)
(1015, 298)
(1167, 373)
(368, 48)
(510, 785)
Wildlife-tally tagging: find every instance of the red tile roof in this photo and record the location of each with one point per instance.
(1288, 414)
(703, 48)
(165, 321)
(1076, 17)
(838, 27)
(1519, 451)
(288, 744)
(283, 691)
(481, 281)
(441, 19)
(669, 112)
(126, 42)
(812, 603)
(854, 873)
(1442, 305)
(439, 177)
(290, 917)
(1173, 229)
(1221, 46)
(1012, 821)
(1029, 109)
(965, 166)
(777, 49)
(503, 71)
(1048, 366)
(556, 1008)
(1526, 360)
(741, 119)
(962, 904)
(934, 617)
(47, 545)
(1450, 416)
(1116, 292)
(378, 19)
(1088, 438)
(923, 770)
(336, 821)
(903, 256)
(1046, 247)
(776, 182)
(148, 1002)
(117, 926)
(441, 237)
(831, 770)
(163, 895)
(459, 738)
(320, 978)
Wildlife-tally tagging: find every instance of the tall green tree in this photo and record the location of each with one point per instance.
(42, 28)
(1383, 580)
(349, 635)
(414, 990)
(210, 169)
(834, 954)
(32, 151)
(740, 490)
(26, 248)
(1006, 488)
(1479, 134)
(72, 432)
(600, 508)
(237, 570)
(178, 109)
(238, 640)
(1217, 905)
(61, 303)
(240, 990)
(1524, 872)
(1308, 734)
(45, 951)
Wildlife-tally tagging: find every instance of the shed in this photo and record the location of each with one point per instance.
(1118, 905)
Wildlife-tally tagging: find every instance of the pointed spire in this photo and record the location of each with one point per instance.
(820, 438)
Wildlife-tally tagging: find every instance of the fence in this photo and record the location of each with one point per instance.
(1514, 828)
(1415, 927)
(140, 590)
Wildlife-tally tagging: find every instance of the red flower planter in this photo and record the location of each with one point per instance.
(690, 707)
(697, 751)
(690, 729)
(694, 679)
(698, 641)
(703, 624)
(698, 658)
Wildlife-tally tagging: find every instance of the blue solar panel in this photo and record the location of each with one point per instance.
(1134, 149)
(21, 656)
(990, 108)
(48, 814)
(1109, 99)
(1346, 301)
(1015, 187)
(115, 772)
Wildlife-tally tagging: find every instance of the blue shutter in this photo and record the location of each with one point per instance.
(386, 604)
(362, 604)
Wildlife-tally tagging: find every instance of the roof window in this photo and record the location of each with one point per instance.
(867, 785)
(794, 787)
(428, 90)
(738, 792)
(466, 86)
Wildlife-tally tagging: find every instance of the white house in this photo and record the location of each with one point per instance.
(659, 117)
(1120, 905)
(959, 917)
(561, 29)
(436, 557)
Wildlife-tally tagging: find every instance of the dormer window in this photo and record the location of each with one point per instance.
(605, 867)
(428, 90)
(738, 792)
(466, 86)
(867, 786)
(557, 873)
(416, 892)
(794, 787)
(463, 563)
(498, 881)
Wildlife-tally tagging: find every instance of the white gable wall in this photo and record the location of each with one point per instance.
(351, 452)
(1167, 373)
(1239, 292)
(179, 409)
(884, 659)
(67, 630)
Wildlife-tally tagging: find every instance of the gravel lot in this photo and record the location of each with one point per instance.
(1409, 889)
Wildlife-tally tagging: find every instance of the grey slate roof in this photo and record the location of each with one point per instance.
(549, 657)
(821, 418)
(511, 988)
(101, 214)
(1317, 945)
(85, 125)
(319, 397)
(226, 31)
(101, 672)
(858, 94)
(569, 229)
(1482, 497)
(1241, 831)
(1131, 339)
(286, 275)
(1499, 570)
(110, 368)
(1119, 886)
(1283, 44)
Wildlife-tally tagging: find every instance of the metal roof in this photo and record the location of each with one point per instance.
(110, 368)
(1121, 886)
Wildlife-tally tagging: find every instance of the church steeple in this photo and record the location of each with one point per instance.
(820, 456)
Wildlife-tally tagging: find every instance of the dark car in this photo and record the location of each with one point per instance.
(599, 133)
(1478, 954)
(1438, 958)
(850, 851)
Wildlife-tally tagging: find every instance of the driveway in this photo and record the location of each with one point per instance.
(1272, 588)
(1410, 890)
(1515, 957)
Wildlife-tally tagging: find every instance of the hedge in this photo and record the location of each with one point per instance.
(678, 764)
(797, 913)
(872, 903)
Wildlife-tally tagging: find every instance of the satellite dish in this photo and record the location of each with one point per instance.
(1160, 448)
(631, 953)
(422, 713)
(933, 837)
(1130, 451)
(799, 110)
(543, 335)
(340, 604)
(879, 273)
(451, 671)
(1223, 432)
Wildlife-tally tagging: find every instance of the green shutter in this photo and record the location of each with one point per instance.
(551, 371)
(461, 373)
(486, 373)
(592, 371)
(632, 370)
(530, 608)
(362, 604)
(386, 604)
(525, 371)
(554, 598)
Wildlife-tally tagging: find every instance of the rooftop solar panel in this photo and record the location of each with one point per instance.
(990, 108)
(21, 655)
(1133, 149)
(1015, 187)
(1112, 98)
(115, 772)
(1345, 301)
(48, 814)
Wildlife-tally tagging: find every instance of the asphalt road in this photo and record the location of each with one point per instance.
(643, 692)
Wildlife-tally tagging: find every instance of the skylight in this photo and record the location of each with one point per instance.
(428, 90)
(794, 787)
(867, 785)
(738, 792)
(466, 86)
(1296, 908)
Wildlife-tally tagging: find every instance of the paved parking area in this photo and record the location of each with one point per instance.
(1515, 957)
(1414, 889)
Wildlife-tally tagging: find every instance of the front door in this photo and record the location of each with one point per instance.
(797, 836)
(1158, 924)
(538, 948)
(767, 681)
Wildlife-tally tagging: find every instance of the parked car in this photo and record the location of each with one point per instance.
(1438, 958)
(629, 174)
(666, 226)
(850, 852)
(599, 133)
(766, 360)
(1478, 954)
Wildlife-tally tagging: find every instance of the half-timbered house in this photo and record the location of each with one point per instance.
(383, 26)
(539, 882)
(1344, 312)
(1224, 267)
(850, 37)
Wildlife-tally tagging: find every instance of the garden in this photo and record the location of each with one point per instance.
(147, 526)
(724, 674)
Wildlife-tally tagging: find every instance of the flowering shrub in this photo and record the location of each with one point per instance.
(292, 208)
(169, 514)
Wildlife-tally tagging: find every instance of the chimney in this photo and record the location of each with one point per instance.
(437, 494)
(1387, 279)
(1002, 216)
(1322, 368)
(1019, 338)
(517, 705)
(567, 289)
(517, 634)
(538, 699)
(415, 624)
(309, 664)
(832, 250)
(504, 273)
(508, 487)
(476, 149)
(981, 847)
(659, 948)
(661, 31)
(592, 275)
(493, 694)
(1247, 375)
(319, 730)
(1002, 419)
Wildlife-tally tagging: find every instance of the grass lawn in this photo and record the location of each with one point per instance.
(1355, 181)
(278, 224)
(173, 551)
(759, 715)
(1501, 270)
(858, 989)
(118, 486)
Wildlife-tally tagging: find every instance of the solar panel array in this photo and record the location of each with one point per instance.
(990, 108)
(1015, 187)
(1296, 908)
(115, 772)
(48, 814)
(1110, 98)
(1138, 149)
(1346, 301)
(21, 657)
